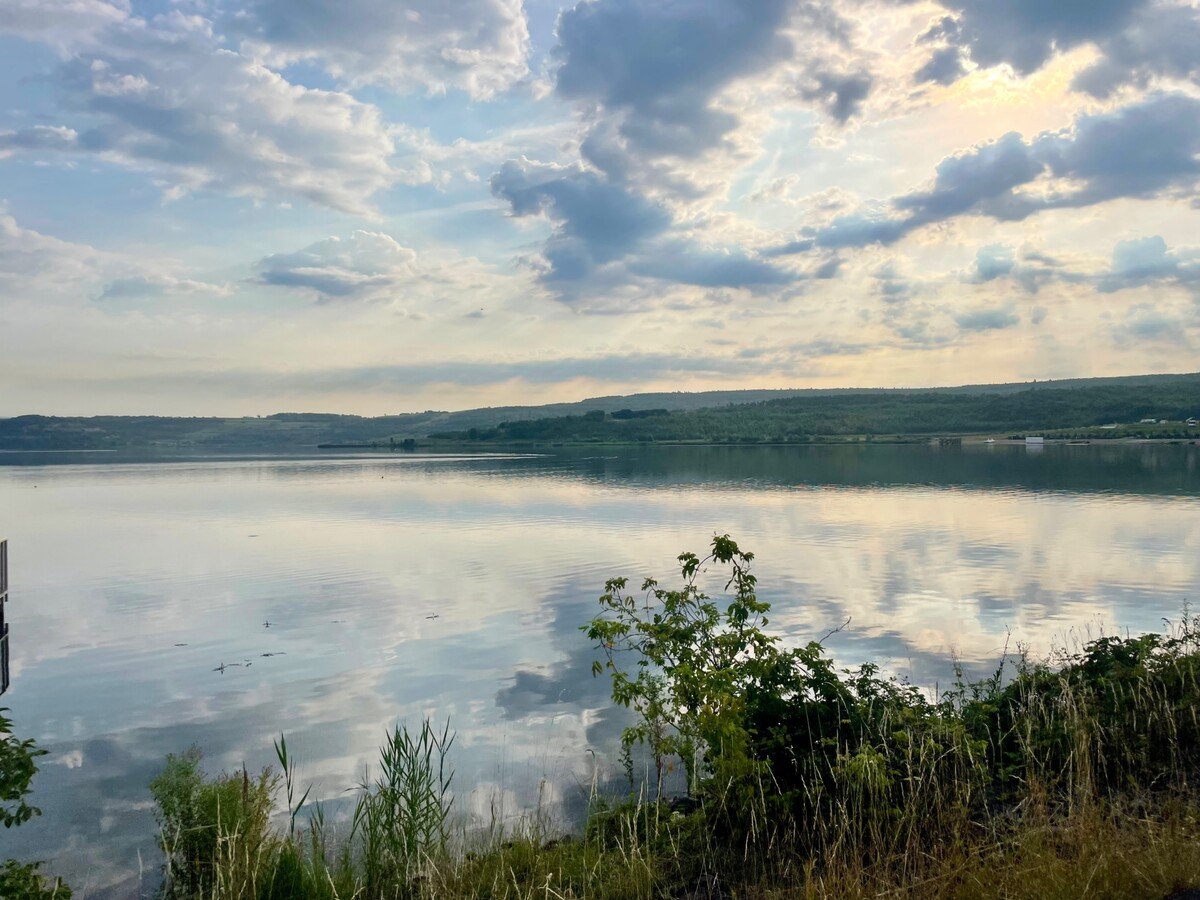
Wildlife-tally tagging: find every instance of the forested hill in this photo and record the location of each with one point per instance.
(798, 418)
(712, 415)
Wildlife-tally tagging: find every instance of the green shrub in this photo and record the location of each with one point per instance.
(17, 768)
(785, 748)
(214, 831)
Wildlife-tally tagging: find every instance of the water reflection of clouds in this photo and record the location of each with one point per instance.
(113, 566)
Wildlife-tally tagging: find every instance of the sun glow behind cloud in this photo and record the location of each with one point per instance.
(237, 207)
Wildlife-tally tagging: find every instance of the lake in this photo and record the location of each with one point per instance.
(223, 601)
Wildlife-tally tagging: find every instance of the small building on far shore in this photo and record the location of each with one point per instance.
(1034, 441)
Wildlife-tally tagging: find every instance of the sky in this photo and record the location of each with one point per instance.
(239, 207)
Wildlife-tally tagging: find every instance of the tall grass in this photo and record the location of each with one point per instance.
(218, 842)
(400, 818)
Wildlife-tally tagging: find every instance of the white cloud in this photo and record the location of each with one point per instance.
(365, 265)
(36, 266)
(372, 266)
(27, 256)
(477, 46)
(165, 96)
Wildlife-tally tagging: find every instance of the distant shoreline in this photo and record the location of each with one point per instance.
(824, 441)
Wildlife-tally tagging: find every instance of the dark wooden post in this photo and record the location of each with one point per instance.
(3, 620)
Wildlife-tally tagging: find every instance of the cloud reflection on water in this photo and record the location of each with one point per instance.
(113, 566)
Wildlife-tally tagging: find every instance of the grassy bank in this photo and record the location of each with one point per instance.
(1067, 777)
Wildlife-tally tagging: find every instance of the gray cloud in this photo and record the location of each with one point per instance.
(1026, 33)
(828, 269)
(709, 268)
(893, 287)
(1147, 260)
(1134, 263)
(840, 94)
(598, 222)
(1147, 149)
(944, 66)
(658, 66)
(1029, 269)
(595, 220)
(1145, 324)
(1137, 40)
(1161, 40)
(993, 261)
(478, 46)
(987, 318)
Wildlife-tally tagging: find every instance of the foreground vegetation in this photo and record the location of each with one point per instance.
(1069, 777)
(18, 766)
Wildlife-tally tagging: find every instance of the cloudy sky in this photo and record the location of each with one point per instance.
(246, 206)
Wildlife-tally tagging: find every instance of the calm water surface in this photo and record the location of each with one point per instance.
(134, 581)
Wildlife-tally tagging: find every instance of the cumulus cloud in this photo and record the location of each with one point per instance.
(1148, 260)
(1137, 40)
(992, 262)
(1026, 33)
(661, 133)
(1133, 263)
(611, 54)
(1144, 150)
(165, 96)
(1028, 268)
(477, 46)
(367, 264)
(598, 223)
(652, 81)
(1162, 40)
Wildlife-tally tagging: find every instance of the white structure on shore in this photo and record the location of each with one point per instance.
(1035, 440)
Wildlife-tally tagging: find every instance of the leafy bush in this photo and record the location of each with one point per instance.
(17, 768)
(213, 830)
(783, 746)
